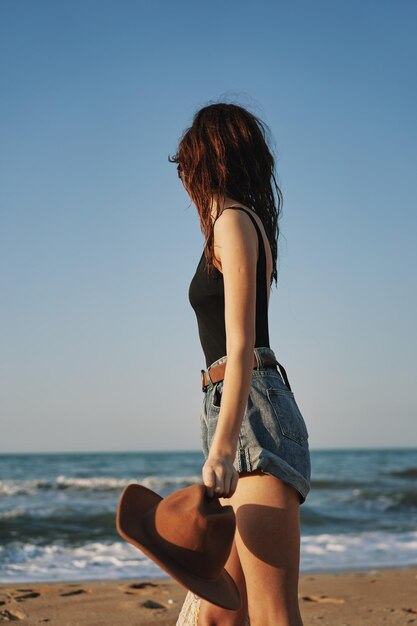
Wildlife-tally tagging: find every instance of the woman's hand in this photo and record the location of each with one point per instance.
(219, 475)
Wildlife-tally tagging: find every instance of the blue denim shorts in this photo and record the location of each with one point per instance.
(273, 436)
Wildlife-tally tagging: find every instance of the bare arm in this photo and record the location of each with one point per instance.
(236, 246)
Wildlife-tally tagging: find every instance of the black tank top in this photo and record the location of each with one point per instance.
(206, 296)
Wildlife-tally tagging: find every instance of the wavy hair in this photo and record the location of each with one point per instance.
(225, 151)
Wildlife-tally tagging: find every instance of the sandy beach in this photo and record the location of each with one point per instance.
(373, 598)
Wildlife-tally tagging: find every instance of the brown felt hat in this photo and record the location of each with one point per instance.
(187, 533)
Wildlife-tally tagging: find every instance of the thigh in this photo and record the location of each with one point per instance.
(267, 539)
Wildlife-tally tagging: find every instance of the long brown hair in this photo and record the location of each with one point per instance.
(225, 151)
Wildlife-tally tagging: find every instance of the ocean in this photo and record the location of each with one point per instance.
(57, 511)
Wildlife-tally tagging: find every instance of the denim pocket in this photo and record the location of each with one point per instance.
(216, 395)
(288, 415)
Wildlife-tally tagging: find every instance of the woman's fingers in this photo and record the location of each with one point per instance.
(219, 488)
(230, 483)
(226, 484)
(209, 487)
(235, 480)
(220, 482)
(213, 482)
(233, 483)
(209, 479)
(220, 479)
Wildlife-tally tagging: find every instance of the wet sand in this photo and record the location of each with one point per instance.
(374, 598)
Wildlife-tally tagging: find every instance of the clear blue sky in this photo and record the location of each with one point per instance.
(98, 239)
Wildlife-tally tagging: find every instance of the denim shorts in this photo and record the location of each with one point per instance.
(273, 436)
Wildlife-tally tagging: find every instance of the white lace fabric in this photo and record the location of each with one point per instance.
(190, 610)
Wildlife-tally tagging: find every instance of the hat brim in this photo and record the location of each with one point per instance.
(134, 502)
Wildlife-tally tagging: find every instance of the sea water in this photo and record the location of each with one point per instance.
(57, 511)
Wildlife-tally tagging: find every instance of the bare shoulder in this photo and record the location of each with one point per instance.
(234, 223)
(234, 227)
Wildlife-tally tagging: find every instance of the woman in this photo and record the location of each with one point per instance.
(255, 440)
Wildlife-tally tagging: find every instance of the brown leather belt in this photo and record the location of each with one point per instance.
(216, 373)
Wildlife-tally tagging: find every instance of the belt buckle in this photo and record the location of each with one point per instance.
(203, 386)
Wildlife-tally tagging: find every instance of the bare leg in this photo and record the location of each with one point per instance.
(211, 614)
(267, 539)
